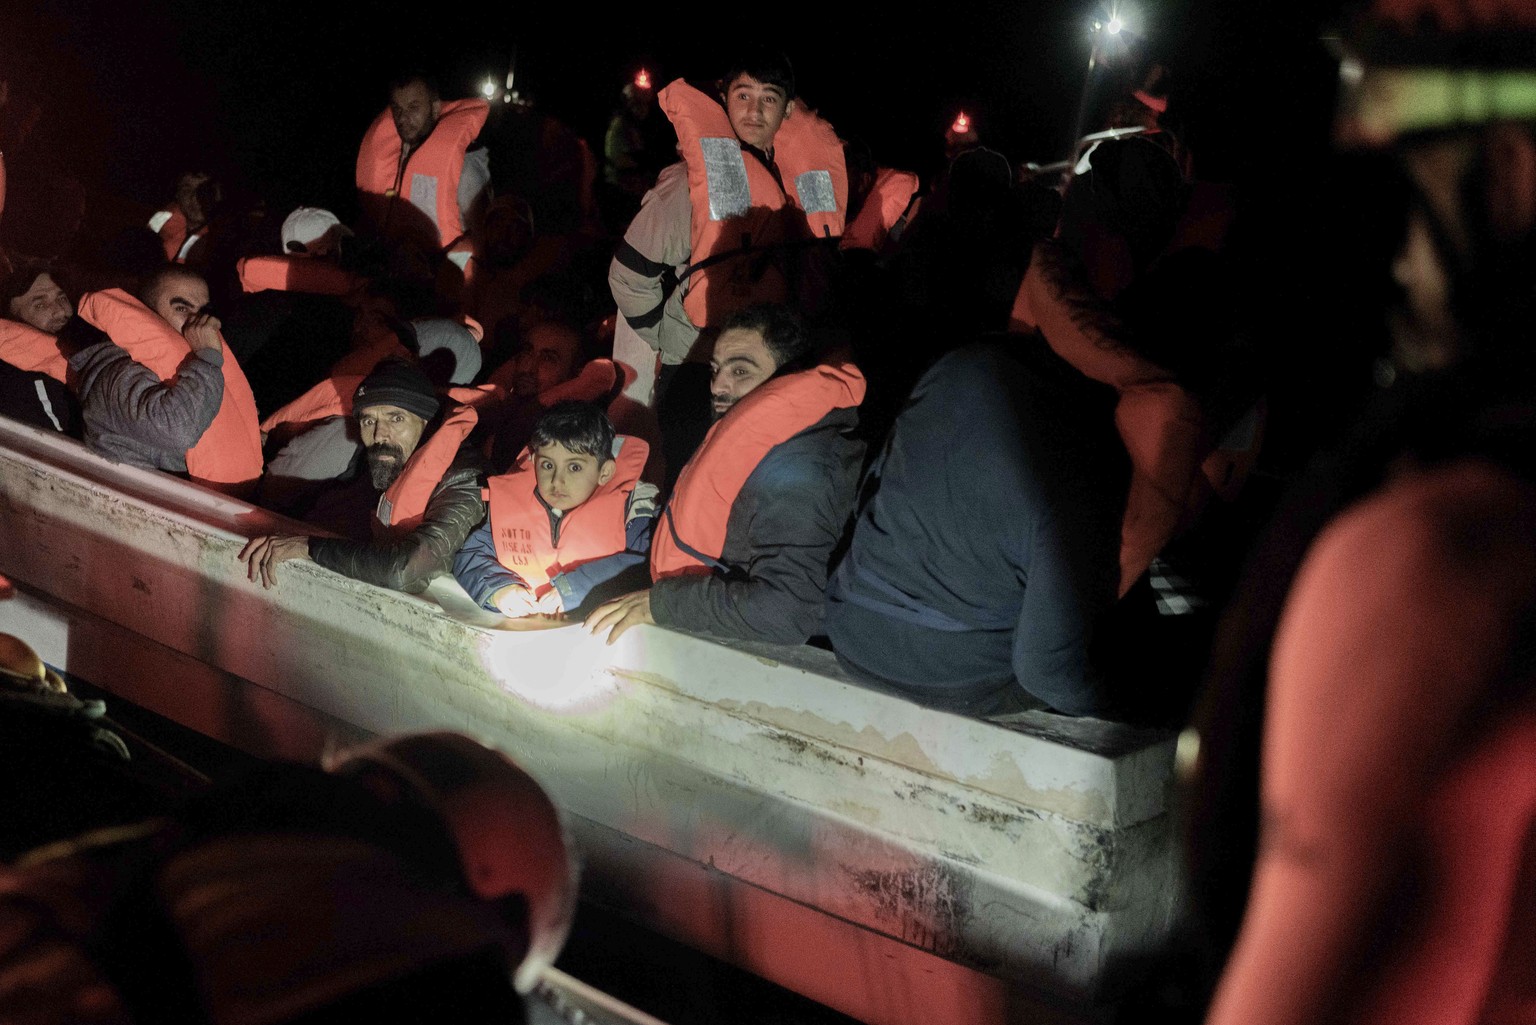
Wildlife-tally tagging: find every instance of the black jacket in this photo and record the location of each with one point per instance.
(779, 540)
(407, 564)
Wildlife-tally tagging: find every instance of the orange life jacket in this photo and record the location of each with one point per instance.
(594, 383)
(430, 179)
(26, 348)
(477, 396)
(228, 455)
(1159, 421)
(738, 207)
(328, 398)
(295, 274)
(404, 503)
(173, 234)
(770, 415)
(333, 395)
(373, 339)
(593, 530)
(887, 201)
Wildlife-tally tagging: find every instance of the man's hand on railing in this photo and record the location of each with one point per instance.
(262, 554)
(619, 615)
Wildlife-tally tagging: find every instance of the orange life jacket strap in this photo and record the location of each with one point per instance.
(404, 503)
(770, 415)
(26, 348)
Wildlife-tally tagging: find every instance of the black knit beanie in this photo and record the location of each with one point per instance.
(395, 382)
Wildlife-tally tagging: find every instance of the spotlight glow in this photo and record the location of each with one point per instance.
(556, 667)
(488, 88)
(643, 79)
(1114, 26)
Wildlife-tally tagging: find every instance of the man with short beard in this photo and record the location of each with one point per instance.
(421, 175)
(743, 547)
(428, 483)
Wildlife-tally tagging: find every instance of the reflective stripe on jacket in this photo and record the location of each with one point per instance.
(739, 207)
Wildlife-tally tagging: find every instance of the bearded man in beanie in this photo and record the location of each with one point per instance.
(428, 483)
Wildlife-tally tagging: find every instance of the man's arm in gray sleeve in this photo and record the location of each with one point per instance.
(657, 242)
(119, 396)
(409, 563)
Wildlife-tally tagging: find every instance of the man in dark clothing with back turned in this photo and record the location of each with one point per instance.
(986, 555)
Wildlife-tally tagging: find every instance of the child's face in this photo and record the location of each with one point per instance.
(567, 479)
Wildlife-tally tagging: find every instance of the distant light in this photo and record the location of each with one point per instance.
(643, 79)
(488, 88)
(962, 124)
(1114, 26)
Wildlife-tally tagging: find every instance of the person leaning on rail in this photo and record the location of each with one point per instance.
(428, 482)
(743, 546)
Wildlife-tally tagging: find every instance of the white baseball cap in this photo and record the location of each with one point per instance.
(311, 231)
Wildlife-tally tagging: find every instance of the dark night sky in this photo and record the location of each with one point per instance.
(277, 94)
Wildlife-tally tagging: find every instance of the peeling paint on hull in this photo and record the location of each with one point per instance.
(897, 863)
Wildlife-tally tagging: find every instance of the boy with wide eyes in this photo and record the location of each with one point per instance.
(566, 523)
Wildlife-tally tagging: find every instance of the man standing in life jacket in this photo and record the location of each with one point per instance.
(743, 546)
(429, 484)
(421, 176)
(745, 193)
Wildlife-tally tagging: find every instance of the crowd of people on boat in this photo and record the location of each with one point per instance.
(450, 385)
(970, 434)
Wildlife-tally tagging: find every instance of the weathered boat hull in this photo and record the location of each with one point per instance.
(897, 864)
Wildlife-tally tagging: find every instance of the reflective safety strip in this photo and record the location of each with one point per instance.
(187, 246)
(424, 194)
(385, 510)
(729, 193)
(816, 193)
(460, 258)
(158, 220)
(42, 398)
(1377, 105)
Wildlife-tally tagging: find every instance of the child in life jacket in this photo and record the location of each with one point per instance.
(566, 523)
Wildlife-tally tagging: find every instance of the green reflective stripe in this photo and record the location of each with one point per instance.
(1380, 104)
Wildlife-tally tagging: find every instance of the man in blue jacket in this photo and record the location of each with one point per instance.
(986, 555)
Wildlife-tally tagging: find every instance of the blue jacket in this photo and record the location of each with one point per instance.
(480, 573)
(988, 546)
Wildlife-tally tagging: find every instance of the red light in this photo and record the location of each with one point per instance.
(962, 124)
(643, 79)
